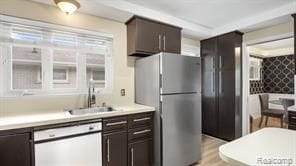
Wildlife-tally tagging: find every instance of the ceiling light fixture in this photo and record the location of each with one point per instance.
(67, 6)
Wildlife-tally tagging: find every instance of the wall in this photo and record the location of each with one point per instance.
(189, 41)
(278, 74)
(286, 28)
(123, 65)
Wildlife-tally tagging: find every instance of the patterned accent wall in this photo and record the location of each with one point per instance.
(256, 86)
(278, 74)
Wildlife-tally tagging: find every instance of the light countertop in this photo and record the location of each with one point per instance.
(59, 116)
(267, 143)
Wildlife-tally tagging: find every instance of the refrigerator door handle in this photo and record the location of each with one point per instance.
(213, 81)
(220, 82)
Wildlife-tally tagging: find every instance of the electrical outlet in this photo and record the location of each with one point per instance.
(122, 92)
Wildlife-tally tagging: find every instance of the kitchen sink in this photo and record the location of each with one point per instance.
(94, 110)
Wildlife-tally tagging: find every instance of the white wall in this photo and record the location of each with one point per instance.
(122, 64)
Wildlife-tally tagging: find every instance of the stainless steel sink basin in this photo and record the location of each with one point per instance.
(84, 111)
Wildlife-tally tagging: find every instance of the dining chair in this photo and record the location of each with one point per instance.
(286, 104)
(268, 112)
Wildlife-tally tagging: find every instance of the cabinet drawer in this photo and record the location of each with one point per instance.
(115, 124)
(140, 120)
(139, 133)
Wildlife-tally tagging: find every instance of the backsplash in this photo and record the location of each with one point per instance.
(278, 74)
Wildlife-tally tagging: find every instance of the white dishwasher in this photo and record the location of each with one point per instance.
(78, 145)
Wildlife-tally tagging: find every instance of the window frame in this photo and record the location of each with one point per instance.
(258, 68)
(47, 62)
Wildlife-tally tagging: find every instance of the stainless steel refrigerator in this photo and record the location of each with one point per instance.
(171, 83)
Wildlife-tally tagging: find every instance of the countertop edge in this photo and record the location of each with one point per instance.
(62, 117)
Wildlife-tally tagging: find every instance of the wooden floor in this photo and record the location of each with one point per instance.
(210, 152)
(272, 122)
(210, 145)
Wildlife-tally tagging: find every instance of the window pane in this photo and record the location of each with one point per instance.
(64, 69)
(26, 68)
(60, 74)
(95, 64)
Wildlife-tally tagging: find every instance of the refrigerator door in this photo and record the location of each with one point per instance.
(179, 74)
(181, 129)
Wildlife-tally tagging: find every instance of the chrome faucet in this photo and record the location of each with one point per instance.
(91, 100)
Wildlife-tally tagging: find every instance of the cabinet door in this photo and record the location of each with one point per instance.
(226, 51)
(16, 150)
(209, 104)
(140, 153)
(115, 149)
(209, 86)
(227, 105)
(209, 54)
(148, 38)
(171, 39)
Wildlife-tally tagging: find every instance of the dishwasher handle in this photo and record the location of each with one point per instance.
(67, 131)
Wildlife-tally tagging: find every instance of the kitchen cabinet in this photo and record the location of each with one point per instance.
(209, 86)
(140, 153)
(146, 37)
(128, 140)
(140, 144)
(292, 120)
(115, 149)
(115, 141)
(221, 86)
(16, 148)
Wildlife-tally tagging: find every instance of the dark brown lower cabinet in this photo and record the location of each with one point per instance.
(16, 149)
(140, 153)
(115, 149)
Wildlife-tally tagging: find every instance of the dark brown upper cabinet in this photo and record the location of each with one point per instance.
(146, 37)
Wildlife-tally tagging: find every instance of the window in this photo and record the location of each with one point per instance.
(26, 68)
(61, 75)
(40, 60)
(64, 69)
(255, 65)
(95, 65)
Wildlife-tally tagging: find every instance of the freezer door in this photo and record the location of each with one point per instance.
(180, 74)
(181, 129)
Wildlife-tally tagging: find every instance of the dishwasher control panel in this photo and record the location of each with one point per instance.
(67, 131)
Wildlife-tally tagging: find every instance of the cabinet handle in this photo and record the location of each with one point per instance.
(220, 82)
(213, 81)
(116, 123)
(213, 61)
(108, 150)
(142, 132)
(220, 62)
(132, 156)
(159, 42)
(142, 119)
(164, 39)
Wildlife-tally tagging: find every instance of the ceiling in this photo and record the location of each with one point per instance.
(273, 48)
(212, 13)
(198, 18)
